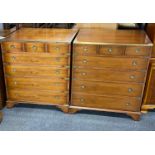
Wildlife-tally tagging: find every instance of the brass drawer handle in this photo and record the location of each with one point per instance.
(130, 90)
(134, 63)
(57, 97)
(34, 47)
(85, 48)
(132, 77)
(83, 73)
(13, 57)
(57, 71)
(84, 61)
(81, 100)
(14, 70)
(137, 50)
(15, 82)
(110, 50)
(128, 104)
(12, 46)
(82, 86)
(57, 48)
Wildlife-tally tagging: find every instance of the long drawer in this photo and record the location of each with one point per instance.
(104, 102)
(108, 75)
(111, 62)
(25, 70)
(35, 59)
(37, 83)
(37, 96)
(127, 89)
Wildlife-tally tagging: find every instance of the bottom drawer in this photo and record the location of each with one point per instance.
(40, 96)
(106, 102)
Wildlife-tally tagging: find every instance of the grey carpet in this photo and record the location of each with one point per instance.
(49, 118)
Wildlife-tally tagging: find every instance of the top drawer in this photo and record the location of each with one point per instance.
(111, 50)
(12, 47)
(139, 51)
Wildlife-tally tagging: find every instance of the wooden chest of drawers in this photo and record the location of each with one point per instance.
(37, 66)
(3, 34)
(109, 70)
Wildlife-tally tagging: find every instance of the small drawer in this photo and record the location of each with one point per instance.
(89, 50)
(138, 51)
(111, 50)
(12, 47)
(58, 49)
(34, 47)
(106, 102)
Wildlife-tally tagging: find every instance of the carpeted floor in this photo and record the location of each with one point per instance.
(48, 118)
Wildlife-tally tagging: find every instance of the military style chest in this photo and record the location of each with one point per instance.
(109, 70)
(37, 66)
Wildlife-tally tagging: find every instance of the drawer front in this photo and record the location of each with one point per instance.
(108, 75)
(12, 46)
(104, 102)
(102, 62)
(41, 59)
(58, 49)
(34, 47)
(138, 51)
(21, 70)
(37, 83)
(126, 89)
(85, 50)
(38, 96)
(111, 50)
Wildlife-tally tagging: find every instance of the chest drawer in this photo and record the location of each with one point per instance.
(108, 75)
(34, 58)
(12, 46)
(34, 47)
(58, 48)
(138, 51)
(39, 96)
(104, 102)
(37, 84)
(111, 50)
(85, 50)
(111, 62)
(24, 70)
(99, 88)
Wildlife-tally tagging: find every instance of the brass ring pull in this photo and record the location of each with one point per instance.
(130, 90)
(134, 63)
(132, 77)
(84, 61)
(14, 70)
(81, 100)
(110, 50)
(128, 104)
(12, 46)
(34, 47)
(85, 48)
(83, 73)
(82, 86)
(137, 50)
(57, 48)
(13, 57)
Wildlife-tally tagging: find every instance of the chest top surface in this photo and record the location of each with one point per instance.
(42, 35)
(116, 37)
